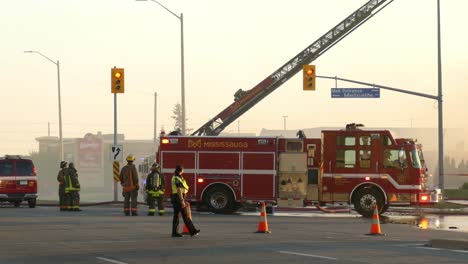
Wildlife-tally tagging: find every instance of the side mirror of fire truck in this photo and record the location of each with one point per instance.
(402, 158)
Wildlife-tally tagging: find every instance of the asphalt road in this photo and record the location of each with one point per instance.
(101, 234)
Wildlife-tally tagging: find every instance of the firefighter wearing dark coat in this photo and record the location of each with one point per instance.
(155, 187)
(179, 191)
(129, 181)
(72, 188)
(61, 190)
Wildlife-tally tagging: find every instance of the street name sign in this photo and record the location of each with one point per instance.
(355, 92)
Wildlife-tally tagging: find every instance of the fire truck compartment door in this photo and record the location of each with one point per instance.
(293, 162)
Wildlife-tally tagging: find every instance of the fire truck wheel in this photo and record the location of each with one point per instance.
(220, 200)
(365, 199)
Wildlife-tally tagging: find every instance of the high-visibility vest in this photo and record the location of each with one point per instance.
(181, 180)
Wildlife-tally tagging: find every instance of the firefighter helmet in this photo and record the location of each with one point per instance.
(130, 158)
(71, 165)
(155, 166)
(63, 164)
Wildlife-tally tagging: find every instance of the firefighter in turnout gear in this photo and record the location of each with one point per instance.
(72, 188)
(155, 188)
(129, 181)
(61, 190)
(179, 191)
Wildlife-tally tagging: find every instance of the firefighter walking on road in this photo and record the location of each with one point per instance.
(129, 181)
(61, 190)
(72, 188)
(179, 191)
(155, 188)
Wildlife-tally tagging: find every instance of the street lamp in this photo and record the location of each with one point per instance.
(182, 71)
(59, 100)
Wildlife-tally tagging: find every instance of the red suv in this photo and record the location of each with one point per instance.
(18, 181)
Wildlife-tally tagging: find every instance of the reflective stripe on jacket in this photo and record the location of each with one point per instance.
(69, 186)
(155, 184)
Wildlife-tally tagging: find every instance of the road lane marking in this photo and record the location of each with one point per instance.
(429, 248)
(111, 260)
(306, 255)
(459, 251)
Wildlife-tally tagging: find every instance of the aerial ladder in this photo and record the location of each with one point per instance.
(244, 100)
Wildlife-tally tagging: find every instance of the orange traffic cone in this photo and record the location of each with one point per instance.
(375, 227)
(263, 224)
(185, 231)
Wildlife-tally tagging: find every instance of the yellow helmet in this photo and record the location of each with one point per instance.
(130, 157)
(155, 166)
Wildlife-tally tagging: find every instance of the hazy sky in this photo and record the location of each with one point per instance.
(228, 45)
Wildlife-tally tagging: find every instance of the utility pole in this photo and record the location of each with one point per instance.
(155, 119)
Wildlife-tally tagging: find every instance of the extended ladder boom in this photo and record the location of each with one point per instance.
(246, 100)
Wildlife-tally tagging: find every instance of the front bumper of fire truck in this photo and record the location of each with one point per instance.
(430, 196)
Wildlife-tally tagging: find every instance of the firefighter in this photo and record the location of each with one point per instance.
(179, 190)
(72, 188)
(155, 188)
(61, 191)
(129, 181)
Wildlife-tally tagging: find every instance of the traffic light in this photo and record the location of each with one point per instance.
(117, 80)
(309, 77)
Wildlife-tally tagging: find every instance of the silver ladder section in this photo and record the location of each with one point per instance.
(248, 99)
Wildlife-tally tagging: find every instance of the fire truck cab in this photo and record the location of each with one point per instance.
(355, 166)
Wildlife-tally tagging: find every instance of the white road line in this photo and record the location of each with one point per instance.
(429, 248)
(111, 260)
(410, 245)
(459, 251)
(307, 255)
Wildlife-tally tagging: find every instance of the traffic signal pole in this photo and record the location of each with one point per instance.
(117, 86)
(115, 141)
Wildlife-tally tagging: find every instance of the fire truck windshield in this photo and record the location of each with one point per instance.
(415, 160)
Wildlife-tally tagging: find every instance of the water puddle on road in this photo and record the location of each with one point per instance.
(451, 222)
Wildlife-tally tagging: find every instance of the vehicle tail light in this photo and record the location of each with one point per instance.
(30, 183)
(423, 197)
(200, 180)
(165, 141)
(367, 178)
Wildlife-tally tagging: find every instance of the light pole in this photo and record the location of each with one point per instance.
(59, 97)
(439, 99)
(284, 123)
(155, 133)
(182, 71)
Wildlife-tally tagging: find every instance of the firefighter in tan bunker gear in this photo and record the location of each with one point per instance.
(155, 188)
(61, 190)
(129, 181)
(179, 190)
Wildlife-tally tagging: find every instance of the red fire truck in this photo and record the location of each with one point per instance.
(356, 166)
(361, 167)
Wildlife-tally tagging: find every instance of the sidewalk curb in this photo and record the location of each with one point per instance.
(461, 244)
